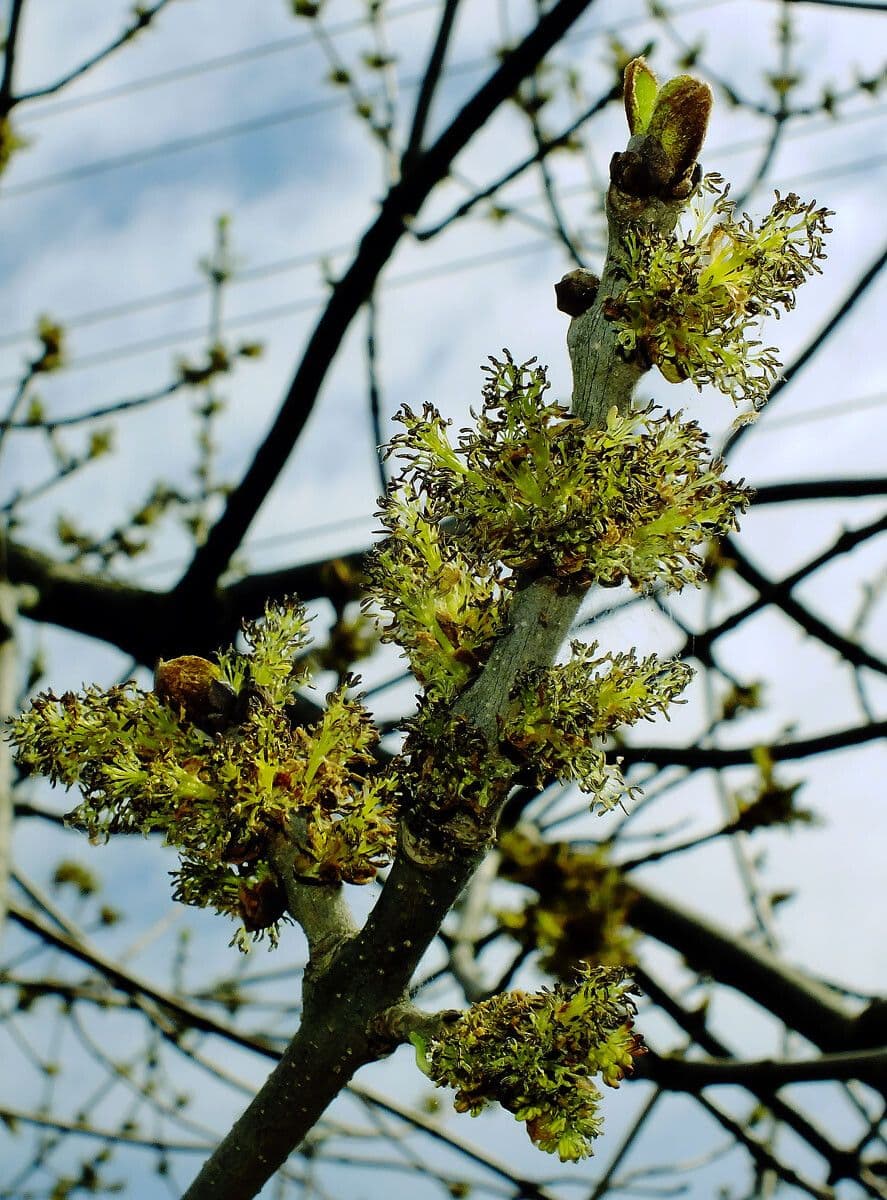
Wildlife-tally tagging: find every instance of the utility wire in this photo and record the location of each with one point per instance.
(181, 337)
(293, 307)
(296, 262)
(283, 116)
(367, 522)
(97, 316)
(208, 65)
(824, 412)
(281, 45)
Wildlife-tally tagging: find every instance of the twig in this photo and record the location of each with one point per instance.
(372, 338)
(100, 411)
(602, 1186)
(819, 489)
(800, 1002)
(9, 51)
(188, 1014)
(842, 1164)
(110, 1136)
(716, 758)
(699, 643)
(431, 231)
(430, 80)
(763, 1157)
(8, 695)
(141, 21)
(779, 597)
(691, 1075)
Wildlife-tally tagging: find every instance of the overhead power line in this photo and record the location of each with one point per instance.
(293, 307)
(367, 523)
(290, 308)
(282, 116)
(123, 308)
(96, 316)
(837, 408)
(218, 63)
(281, 45)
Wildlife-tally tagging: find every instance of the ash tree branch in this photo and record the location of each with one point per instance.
(820, 489)
(9, 52)
(320, 909)
(763, 1156)
(374, 391)
(96, 414)
(148, 624)
(430, 81)
(717, 758)
(652, 856)
(350, 292)
(781, 598)
(13, 1116)
(801, 1003)
(558, 220)
(370, 973)
(692, 1075)
(602, 1184)
(184, 1014)
(699, 644)
(337, 579)
(843, 1164)
(121, 614)
(862, 5)
(22, 809)
(360, 974)
(170, 1015)
(541, 152)
(8, 694)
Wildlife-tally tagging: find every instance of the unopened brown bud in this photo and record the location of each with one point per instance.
(261, 904)
(194, 687)
(668, 126)
(576, 291)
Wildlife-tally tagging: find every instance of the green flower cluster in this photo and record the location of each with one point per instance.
(556, 712)
(535, 1055)
(446, 606)
(222, 785)
(769, 801)
(694, 299)
(579, 909)
(11, 141)
(532, 488)
(448, 773)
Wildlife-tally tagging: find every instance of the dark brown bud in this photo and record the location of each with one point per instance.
(261, 904)
(193, 687)
(576, 291)
(640, 173)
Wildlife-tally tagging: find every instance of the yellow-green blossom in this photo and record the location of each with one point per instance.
(536, 1054)
(694, 299)
(221, 791)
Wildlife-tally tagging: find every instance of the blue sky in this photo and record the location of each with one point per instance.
(302, 186)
